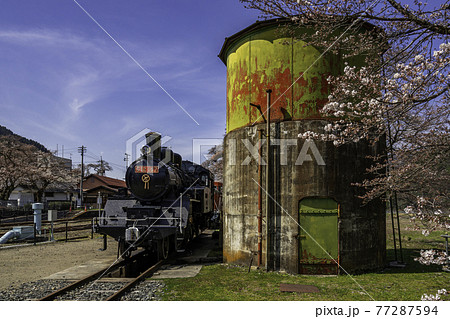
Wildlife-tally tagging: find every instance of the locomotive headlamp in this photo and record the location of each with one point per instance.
(131, 234)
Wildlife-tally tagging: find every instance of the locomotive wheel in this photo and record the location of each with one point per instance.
(166, 247)
(163, 248)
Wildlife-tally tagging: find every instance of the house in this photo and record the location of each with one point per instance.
(24, 195)
(56, 192)
(94, 184)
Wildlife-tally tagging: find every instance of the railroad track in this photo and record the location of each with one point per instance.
(122, 291)
(107, 291)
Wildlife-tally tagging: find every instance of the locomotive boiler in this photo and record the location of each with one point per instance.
(167, 202)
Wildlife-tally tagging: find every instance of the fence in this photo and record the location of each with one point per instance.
(12, 216)
(63, 230)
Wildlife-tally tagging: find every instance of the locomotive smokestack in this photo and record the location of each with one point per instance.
(153, 141)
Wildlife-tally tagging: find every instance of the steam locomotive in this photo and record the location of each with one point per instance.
(167, 202)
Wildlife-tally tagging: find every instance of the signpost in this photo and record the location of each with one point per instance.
(52, 217)
(99, 203)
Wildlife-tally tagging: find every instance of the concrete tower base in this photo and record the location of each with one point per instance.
(316, 220)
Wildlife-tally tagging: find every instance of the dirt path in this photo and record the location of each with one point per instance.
(23, 264)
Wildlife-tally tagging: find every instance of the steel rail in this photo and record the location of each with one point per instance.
(117, 295)
(89, 278)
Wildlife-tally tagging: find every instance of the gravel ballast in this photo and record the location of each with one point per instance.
(32, 290)
(23, 270)
(149, 290)
(96, 291)
(146, 291)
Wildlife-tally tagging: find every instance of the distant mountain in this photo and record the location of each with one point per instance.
(6, 132)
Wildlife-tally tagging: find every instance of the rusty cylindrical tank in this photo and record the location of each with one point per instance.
(315, 219)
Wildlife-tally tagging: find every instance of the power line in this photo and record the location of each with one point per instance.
(97, 159)
(92, 157)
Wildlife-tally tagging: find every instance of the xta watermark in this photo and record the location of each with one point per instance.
(239, 151)
(307, 151)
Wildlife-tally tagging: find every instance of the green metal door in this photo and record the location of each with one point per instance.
(318, 236)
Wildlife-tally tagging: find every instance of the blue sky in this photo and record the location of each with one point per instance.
(63, 81)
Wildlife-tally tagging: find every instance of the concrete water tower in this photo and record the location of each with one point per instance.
(313, 220)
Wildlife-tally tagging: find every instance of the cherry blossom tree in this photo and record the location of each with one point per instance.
(24, 164)
(400, 91)
(215, 162)
(46, 170)
(13, 164)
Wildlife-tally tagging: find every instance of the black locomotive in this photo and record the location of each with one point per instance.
(168, 202)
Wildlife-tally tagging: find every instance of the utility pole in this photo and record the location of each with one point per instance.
(102, 168)
(81, 150)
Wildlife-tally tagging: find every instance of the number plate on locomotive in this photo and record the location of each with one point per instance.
(146, 169)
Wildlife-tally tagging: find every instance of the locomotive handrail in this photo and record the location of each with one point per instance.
(174, 221)
(142, 219)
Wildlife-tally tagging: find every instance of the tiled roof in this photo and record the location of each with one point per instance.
(94, 180)
(101, 187)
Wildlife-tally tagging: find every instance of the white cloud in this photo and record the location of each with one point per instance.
(46, 38)
(76, 105)
(78, 72)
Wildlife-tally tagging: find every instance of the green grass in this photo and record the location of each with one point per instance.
(228, 282)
